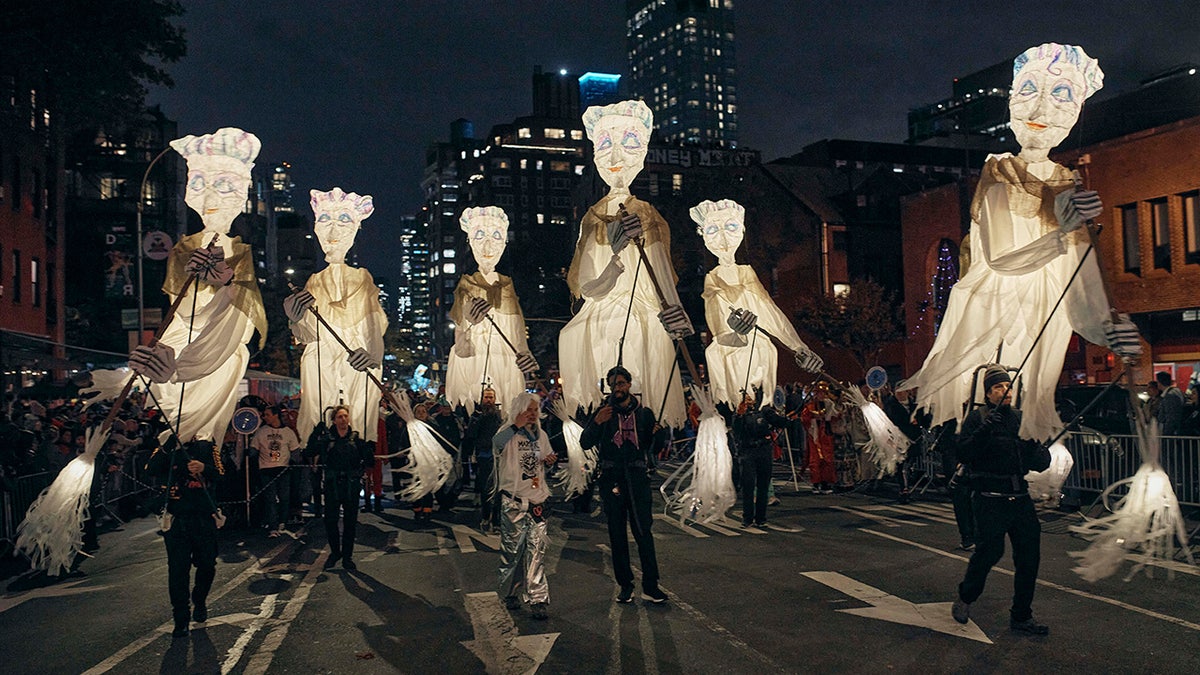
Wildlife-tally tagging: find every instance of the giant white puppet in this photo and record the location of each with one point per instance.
(201, 358)
(737, 360)
(622, 319)
(487, 319)
(1025, 244)
(348, 299)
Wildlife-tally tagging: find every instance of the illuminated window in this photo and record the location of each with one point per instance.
(1191, 227)
(560, 166)
(677, 183)
(1160, 217)
(555, 133)
(524, 164)
(448, 268)
(111, 187)
(35, 282)
(577, 134)
(524, 133)
(448, 253)
(1129, 233)
(539, 165)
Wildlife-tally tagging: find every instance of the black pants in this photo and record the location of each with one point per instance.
(964, 514)
(756, 483)
(191, 542)
(996, 517)
(341, 497)
(489, 510)
(315, 477)
(631, 504)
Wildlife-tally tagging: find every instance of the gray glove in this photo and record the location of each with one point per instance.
(1073, 208)
(360, 360)
(809, 362)
(624, 230)
(210, 266)
(297, 304)
(742, 321)
(477, 310)
(527, 363)
(1123, 337)
(156, 363)
(676, 321)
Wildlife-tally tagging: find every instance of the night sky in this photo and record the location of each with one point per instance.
(351, 93)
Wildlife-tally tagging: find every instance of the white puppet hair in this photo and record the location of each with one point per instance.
(464, 221)
(363, 205)
(701, 210)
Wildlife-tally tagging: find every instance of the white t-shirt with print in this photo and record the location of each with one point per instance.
(275, 446)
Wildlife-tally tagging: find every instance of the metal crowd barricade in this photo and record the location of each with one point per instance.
(25, 489)
(1101, 460)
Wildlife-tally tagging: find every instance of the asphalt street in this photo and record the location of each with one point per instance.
(836, 583)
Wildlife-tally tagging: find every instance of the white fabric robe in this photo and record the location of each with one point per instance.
(348, 299)
(729, 355)
(491, 359)
(1019, 267)
(209, 333)
(588, 344)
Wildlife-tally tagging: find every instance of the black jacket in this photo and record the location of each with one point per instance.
(600, 436)
(187, 494)
(477, 439)
(752, 430)
(995, 456)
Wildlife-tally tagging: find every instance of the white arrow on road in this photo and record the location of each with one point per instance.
(497, 643)
(885, 607)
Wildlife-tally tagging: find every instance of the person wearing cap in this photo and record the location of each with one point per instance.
(628, 438)
(996, 461)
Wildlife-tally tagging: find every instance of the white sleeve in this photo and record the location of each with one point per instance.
(225, 329)
(996, 238)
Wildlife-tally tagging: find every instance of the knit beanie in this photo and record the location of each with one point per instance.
(995, 374)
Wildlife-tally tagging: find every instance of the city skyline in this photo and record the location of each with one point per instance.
(355, 103)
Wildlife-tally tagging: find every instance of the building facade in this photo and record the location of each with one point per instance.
(682, 64)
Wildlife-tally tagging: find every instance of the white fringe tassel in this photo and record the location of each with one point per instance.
(888, 445)
(580, 463)
(428, 463)
(52, 532)
(1146, 519)
(710, 493)
(1046, 486)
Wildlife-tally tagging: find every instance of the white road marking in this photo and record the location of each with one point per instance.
(1050, 584)
(138, 644)
(882, 520)
(781, 528)
(909, 510)
(10, 600)
(498, 643)
(885, 607)
(261, 661)
(675, 522)
(265, 610)
(464, 535)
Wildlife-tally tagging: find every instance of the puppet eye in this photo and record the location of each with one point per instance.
(196, 183)
(323, 218)
(496, 235)
(1063, 93)
(345, 218)
(711, 229)
(223, 185)
(604, 142)
(1028, 88)
(480, 234)
(731, 226)
(631, 141)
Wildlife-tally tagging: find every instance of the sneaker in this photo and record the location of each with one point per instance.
(181, 630)
(349, 565)
(773, 501)
(827, 491)
(654, 595)
(485, 527)
(762, 524)
(332, 560)
(961, 611)
(747, 523)
(967, 546)
(512, 602)
(200, 613)
(626, 595)
(1029, 627)
(540, 611)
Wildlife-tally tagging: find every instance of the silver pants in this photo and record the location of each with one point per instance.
(523, 537)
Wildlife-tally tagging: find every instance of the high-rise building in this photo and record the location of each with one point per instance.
(681, 63)
(555, 94)
(976, 114)
(412, 303)
(598, 89)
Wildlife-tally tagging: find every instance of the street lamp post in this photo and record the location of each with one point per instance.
(141, 253)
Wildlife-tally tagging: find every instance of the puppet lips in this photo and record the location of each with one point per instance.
(615, 168)
(1035, 126)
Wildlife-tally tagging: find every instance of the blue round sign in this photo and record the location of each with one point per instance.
(246, 420)
(876, 377)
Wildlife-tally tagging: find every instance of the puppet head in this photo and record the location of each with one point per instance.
(218, 181)
(338, 217)
(487, 233)
(722, 224)
(1050, 83)
(620, 135)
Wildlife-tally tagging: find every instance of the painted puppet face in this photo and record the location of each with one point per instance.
(217, 188)
(336, 226)
(488, 235)
(1045, 104)
(619, 143)
(723, 231)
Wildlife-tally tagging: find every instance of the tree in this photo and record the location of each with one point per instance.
(90, 62)
(861, 320)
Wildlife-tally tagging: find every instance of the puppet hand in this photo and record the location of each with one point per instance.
(210, 266)
(477, 310)
(809, 362)
(360, 360)
(527, 363)
(296, 304)
(676, 321)
(742, 321)
(1073, 208)
(1123, 338)
(156, 363)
